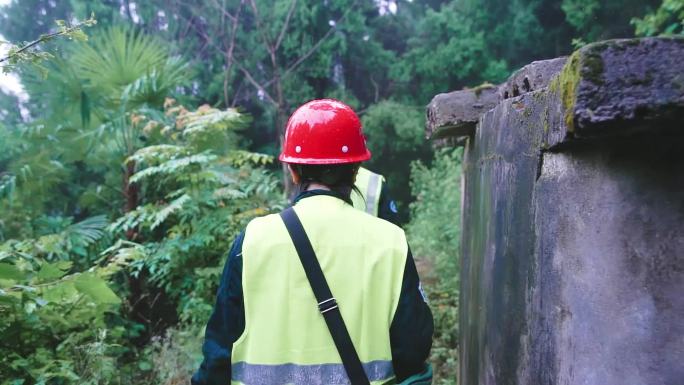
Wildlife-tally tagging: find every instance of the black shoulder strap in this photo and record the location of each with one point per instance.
(326, 302)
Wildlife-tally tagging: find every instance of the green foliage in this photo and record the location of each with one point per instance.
(580, 13)
(25, 20)
(56, 290)
(115, 72)
(88, 110)
(63, 281)
(27, 53)
(173, 358)
(113, 194)
(447, 52)
(595, 20)
(198, 191)
(434, 235)
(396, 137)
(53, 315)
(434, 231)
(126, 66)
(668, 19)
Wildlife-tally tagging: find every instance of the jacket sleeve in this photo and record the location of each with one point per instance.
(387, 207)
(412, 326)
(226, 324)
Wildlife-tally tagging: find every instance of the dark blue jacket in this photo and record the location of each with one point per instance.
(410, 332)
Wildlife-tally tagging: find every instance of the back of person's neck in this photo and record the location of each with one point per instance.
(317, 186)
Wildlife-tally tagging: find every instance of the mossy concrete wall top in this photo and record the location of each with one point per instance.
(573, 223)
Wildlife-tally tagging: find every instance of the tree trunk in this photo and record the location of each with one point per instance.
(281, 121)
(130, 195)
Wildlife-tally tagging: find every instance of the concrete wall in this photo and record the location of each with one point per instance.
(573, 218)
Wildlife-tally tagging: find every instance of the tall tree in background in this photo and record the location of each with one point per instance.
(15, 17)
(267, 57)
(599, 20)
(668, 19)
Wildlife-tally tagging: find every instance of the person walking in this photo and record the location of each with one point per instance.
(321, 293)
(371, 195)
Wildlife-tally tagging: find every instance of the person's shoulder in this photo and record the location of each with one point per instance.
(382, 226)
(267, 220)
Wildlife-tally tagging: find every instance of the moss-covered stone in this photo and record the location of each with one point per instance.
(592, 65)
(484, 86)
(565, 85)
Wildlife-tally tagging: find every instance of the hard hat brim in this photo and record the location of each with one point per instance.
(297, 160)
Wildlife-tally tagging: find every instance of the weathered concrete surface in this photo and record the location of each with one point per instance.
(619, 87)
(609, 220)
(455, 114)
(573, 228)
(532, 77)
(500, 169)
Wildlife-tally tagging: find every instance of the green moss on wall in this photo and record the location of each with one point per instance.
(484, 86)
(592, 64)
(565, 85)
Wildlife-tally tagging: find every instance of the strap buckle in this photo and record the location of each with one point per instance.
(327, 305)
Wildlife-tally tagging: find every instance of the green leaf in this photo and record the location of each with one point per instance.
(50, 272)
(8, 271)
(61, 292)
(64, 265)
(96, 288)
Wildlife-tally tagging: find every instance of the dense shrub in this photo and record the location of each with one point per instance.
(434, 229)
(434, 234)
(76, 298)
(396, 138)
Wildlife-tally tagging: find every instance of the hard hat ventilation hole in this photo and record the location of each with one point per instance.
(345, 149)
(298, 149)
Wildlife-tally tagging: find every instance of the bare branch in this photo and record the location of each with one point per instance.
(313, 49)
(44, 38)
(262, 30)
(226, 13)
(285, 24)
(257, 85)
(229, 54)
(236, 94)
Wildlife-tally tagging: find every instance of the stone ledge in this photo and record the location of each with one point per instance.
(531, 77)
(616, 87)
(455, 114)
(621, 87)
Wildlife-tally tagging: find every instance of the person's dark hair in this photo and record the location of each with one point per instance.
(337, 177)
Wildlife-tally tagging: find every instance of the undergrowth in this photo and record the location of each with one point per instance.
(434, 233)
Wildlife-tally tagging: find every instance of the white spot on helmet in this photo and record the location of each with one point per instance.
(345, 149)
(298, 149)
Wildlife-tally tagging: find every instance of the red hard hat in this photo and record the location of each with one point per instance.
(324, 131)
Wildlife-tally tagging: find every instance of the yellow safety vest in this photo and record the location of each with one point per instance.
(286, 340)
(370, 185)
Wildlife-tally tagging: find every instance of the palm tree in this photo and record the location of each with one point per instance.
(86, 107)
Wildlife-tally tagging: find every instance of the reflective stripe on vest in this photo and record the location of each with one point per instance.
(370, 185)
(286, 339)
(320, 374)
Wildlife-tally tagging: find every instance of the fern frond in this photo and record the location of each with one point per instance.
(120, 256)
(171, 208)
(8, 184)
(239, 158)
(172, 166)
(228, 193)
(206, 119)
(133, 219)
(157, 154)
(88, 231)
